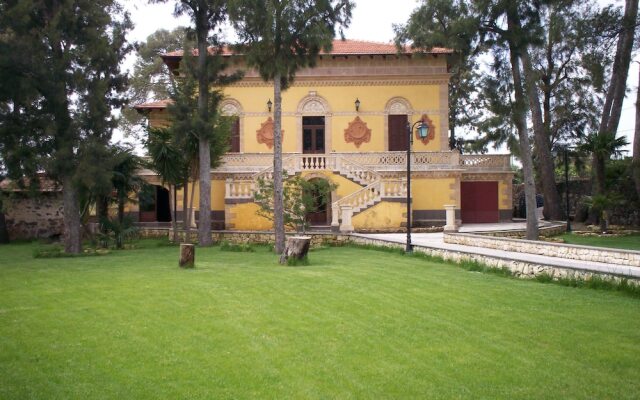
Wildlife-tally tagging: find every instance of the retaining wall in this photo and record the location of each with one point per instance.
(582, 253)
(520, 269)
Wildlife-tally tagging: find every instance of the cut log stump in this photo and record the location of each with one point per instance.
(187, 255)
(297, 247)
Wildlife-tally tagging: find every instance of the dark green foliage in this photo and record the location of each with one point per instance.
(279, 37)
(236, 247)
(186, 126)
(117, 232)
(56, 251)
(295, 262)
(150, 79)
(595, 282)
(450, 24)
(60, 80)
(4, 234)
(301, 197)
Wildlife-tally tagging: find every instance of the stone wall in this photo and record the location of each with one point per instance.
(38, 217)
(520, 269)
(557, 228)
(583, 253)
(253, 237)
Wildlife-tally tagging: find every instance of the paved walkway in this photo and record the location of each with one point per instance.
(436, 241)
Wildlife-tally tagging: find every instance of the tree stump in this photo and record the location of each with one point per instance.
(187, 255)
(297, 247)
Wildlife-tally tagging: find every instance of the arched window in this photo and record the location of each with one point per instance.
(313, 125)
(397, 111)
(231, 107)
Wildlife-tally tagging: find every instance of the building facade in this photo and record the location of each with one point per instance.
(346, 121)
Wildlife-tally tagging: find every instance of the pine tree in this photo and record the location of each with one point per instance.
(59, 61)
(279, 37)
(206, 16)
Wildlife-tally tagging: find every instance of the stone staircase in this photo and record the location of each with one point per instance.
(374, 187)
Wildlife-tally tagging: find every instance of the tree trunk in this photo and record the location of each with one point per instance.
(121, 203)
(72, 237)
(191, 213)
(4, 233)
(297, 247)
(204, 221)
(186, 217)
(519, 119)
(636, 145)
(187, 255)
(552, 203)
(174, 216)
(102, 211)
(617, 88)
(278, 202)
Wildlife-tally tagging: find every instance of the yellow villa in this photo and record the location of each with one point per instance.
(347, 121)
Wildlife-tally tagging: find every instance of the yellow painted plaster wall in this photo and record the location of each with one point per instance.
(384, 215)
(504, 195)
(217, 195)
(341, 105)
(244, 217)
(432, 194)
(345, 186)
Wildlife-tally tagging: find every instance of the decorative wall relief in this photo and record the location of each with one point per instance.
(265, 133)
(357, 132)
(432, 130)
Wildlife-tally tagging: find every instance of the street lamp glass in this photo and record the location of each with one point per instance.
(423, 130)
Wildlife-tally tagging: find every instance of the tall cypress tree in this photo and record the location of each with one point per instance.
(66, 53)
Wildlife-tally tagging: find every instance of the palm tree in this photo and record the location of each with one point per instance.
(601, 146)
(168, 162)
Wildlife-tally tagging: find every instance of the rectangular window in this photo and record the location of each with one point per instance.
(234, 139)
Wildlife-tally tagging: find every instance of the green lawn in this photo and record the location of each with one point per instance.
(354, 324)
(628, 242)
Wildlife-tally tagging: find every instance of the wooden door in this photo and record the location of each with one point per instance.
(313, 135)
(479, 202)
(320, 216)
(398, 136)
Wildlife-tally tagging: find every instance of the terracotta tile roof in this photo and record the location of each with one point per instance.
(340, 47)
(154, 105)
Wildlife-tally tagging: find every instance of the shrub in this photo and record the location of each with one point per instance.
(240, 248)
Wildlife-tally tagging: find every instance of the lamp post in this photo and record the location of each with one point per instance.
(566, 185)
(423, 132)
(565, 155)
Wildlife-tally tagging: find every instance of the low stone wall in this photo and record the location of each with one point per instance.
(557, 228)
(253, 237)
(520, 269)
(39, 217)
(582, 253)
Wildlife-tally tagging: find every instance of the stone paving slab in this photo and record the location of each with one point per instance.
(436, 241)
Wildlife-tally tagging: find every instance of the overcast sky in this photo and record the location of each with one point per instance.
(372, 20)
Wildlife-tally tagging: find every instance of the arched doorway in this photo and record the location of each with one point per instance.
(154, 205)
(318, 198)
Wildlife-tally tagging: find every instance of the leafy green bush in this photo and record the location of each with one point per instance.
(240, 248)
(57, 251)
(115, 233)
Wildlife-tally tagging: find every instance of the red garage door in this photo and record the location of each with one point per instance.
(479, 202)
